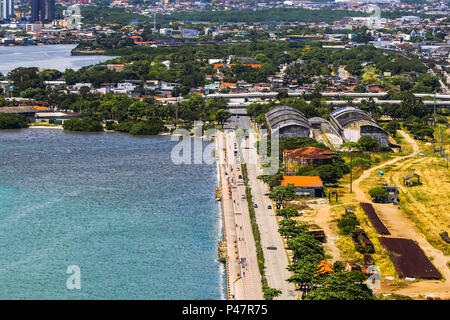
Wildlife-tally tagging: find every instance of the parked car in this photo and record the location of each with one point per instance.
(243, 196)
(255, 205)
(269, 207)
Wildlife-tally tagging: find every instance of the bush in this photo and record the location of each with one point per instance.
(12, 121)
(83, 125)
(378, 194)
(367, 143)
(110, 125)
(149, 128)
(348, 222)
(361, 162)
(329, 173)
(391, 127)
(124, 126)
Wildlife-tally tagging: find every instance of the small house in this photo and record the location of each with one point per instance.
(407, 181)
(310, 156)
(305, 186)
(392, 192)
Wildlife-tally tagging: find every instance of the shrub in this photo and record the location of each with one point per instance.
(83, 125)
(367, 143)
(348, 222)
(361, 162)
(12, 121)
(147, 128)
(124, 126)
(329, 173)
(378, 194)
(110, 125)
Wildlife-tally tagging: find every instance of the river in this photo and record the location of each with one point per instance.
(46, 56)
(115, 206)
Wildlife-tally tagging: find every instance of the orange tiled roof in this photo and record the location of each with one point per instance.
(309, 153)
(228, 84)
(302, 181)
(42, 108)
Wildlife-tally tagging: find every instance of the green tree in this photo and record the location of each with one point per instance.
(378, 193)
(260, 118)
(280, 194)
(306, 247)
(290, 228)
(304, 275)
(367, 143)
(329, 173)
(222, 115)
(83, 125)
(342, 286)
(270, 293)
(347, 223)
(288, 212)
(12, 121)
(391, 127)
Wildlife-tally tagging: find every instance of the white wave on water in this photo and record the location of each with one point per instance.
(222, 271)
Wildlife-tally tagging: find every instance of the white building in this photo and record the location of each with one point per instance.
(6, 9)
(72, 17)
(33, 27)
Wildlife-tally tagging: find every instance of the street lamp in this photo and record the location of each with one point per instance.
(351, 170)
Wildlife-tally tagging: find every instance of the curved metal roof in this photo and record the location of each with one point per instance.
(317, 120)
(349, 115)
(280, 109)
(283, 116)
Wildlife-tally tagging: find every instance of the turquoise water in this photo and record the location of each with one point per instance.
(138, 226)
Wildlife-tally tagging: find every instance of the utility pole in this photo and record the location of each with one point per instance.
(154, 18)
(435, 101)
(351, 171)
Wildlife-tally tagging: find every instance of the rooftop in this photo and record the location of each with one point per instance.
(309, 153)
(302, 181)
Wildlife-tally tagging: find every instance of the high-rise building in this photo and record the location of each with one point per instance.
(6, 9)
(43, 10)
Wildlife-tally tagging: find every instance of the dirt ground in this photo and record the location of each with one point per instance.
(400, 225)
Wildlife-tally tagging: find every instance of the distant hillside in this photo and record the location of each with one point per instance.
(264, 15)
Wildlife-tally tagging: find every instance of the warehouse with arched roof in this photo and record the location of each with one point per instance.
(353, 123)
(288, 122)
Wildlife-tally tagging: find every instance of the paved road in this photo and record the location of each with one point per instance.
(247, 286)
(275, 256)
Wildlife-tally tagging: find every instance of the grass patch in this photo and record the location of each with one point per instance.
(255, 228)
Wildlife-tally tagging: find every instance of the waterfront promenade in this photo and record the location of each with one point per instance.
(275, 256)
(243, 277)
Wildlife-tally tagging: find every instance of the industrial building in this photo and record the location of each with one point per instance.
(352, 123)
(288, 122)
